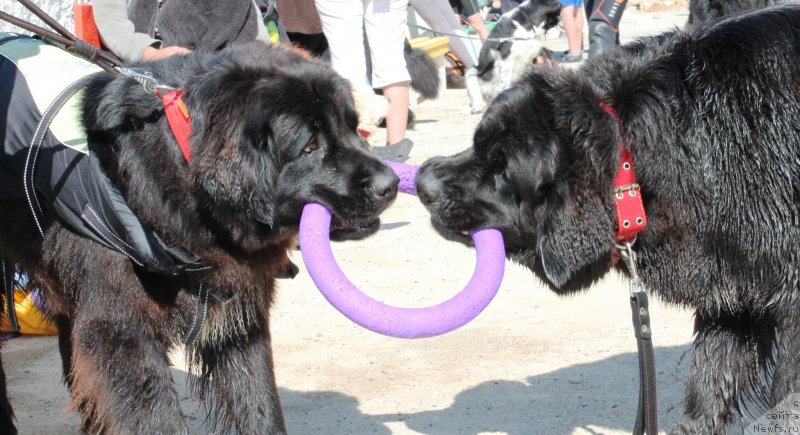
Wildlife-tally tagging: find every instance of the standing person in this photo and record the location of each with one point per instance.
(345, 23)
(471, 10)
(572, 18)
(439, 15)
(604, 18)
(143, 30)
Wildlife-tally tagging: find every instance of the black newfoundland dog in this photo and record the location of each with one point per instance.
(271, 132)
(703, 11)
(712, 120)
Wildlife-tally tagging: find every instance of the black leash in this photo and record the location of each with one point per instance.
(647, 412)
(62, 36)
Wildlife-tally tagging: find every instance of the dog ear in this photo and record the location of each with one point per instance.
(235, 172)
(575, 242)
(235, 189)
(234, 169)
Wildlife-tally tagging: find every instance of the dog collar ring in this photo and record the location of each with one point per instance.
(397, 321)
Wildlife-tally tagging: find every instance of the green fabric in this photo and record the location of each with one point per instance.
(48, 70)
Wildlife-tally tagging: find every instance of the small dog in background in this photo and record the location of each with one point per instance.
(514, 44)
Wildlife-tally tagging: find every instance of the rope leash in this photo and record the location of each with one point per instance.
(475, 38)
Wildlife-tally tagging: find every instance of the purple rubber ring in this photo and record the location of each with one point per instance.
(396, 321)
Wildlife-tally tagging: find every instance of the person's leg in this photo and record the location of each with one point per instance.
(397, 117)
(385, 25)
(573, 26)
(477, 23)
(604, 26)
(439, 15)
(472, 10)
(343, 26)
(579, 23)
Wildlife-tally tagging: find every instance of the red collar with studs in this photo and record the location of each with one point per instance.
(631, 217)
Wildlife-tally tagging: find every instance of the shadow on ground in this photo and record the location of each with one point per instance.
(596, 396)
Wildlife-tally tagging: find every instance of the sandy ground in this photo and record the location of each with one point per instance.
(532, 363)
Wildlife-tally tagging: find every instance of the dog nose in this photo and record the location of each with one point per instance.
(429, 187)
(384, 184)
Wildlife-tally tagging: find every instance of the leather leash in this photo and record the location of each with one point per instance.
(631, 220)
(62, 36)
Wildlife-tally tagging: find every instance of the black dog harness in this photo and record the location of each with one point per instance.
(46, 161)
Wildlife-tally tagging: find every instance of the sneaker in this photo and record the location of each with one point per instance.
(565, 57)
(396, 152)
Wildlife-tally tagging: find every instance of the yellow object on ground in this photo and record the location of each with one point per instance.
(30, 318)
(435, 47)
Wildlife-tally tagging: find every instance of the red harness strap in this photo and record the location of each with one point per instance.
(178, 119)
(631, 217)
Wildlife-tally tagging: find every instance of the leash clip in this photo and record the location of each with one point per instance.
(146, 79)
(629, 257)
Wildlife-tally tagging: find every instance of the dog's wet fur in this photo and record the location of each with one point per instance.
(710, 116)
(704, 11)
(271, 132)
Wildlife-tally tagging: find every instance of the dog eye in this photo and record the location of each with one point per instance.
(311, 148)
(499, 163)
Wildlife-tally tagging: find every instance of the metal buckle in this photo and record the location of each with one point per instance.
(146, 79)
(626, 187)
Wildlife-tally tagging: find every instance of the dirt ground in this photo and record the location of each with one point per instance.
(531, 363)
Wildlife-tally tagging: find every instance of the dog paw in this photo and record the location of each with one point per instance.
(473, 110)
(290, 270)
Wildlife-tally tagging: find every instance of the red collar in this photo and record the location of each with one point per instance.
(631, 217)
(178, 118)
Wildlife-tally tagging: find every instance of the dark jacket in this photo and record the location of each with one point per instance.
(46, 162)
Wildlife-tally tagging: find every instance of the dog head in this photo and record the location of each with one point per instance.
(533, 173)
(271, 132)
(514, 44)
(280, 132)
